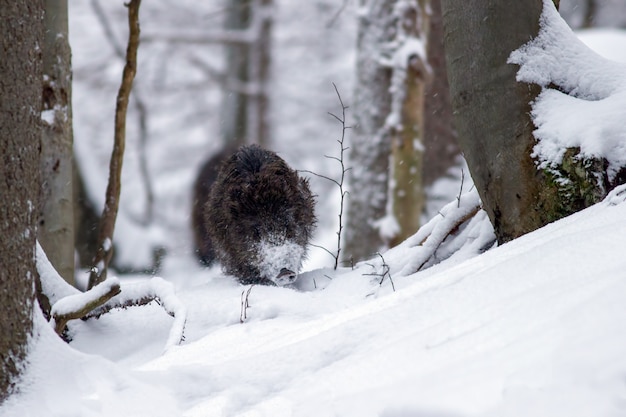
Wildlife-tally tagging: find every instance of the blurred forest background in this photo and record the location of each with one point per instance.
(214, 72)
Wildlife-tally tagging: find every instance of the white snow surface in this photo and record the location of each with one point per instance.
(588, 108)
(534, 327)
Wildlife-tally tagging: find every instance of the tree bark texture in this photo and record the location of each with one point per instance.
(492, 110)
(56, 222)
(386, 151)
(370, 143)
(21, 35)
(440, 139)
(104, 254)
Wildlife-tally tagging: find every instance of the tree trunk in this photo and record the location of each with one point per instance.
(235, 103)
(493, 110)
(21, 34)
(386, 151)
(245, 104)
(412, 73)
(440, 138)
(370, 143)
(56, 222)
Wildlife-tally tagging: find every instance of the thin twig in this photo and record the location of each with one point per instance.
(344, 170)
(385, 272)
(458, 198)
(243, 315)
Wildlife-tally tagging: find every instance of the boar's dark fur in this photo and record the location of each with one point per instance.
(202, 187)
(259, 217)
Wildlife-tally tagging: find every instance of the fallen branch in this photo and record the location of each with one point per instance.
(145, 292)
(68, 303)
(79, 305)
(460, 230)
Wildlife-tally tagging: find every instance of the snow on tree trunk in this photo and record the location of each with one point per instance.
(21, 35)
(385, 152)
(495, 92)
(56, 221)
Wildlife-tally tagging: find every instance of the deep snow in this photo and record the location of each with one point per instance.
(534, 327)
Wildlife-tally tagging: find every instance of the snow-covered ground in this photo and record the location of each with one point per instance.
(535, 327)
(532, 328)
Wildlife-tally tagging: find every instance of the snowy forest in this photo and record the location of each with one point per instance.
(392, 208)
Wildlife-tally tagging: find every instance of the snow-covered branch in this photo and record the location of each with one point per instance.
(143, 293)
(461, 227)
(78, 305)
(68, 303)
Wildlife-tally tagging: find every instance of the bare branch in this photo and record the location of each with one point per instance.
(109, 214)
(385, 272)
(142, 114)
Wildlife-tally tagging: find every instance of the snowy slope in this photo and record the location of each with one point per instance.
(535, 327)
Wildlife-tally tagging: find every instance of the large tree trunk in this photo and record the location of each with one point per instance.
(21, 34)
(56, 222)
(492, 110)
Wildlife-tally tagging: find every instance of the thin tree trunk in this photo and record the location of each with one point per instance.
(21, 35)
(104, 254)
(590, 14)
(407, 148)
(245, 104)
(260, 60)
(56, 221)
(235, 103)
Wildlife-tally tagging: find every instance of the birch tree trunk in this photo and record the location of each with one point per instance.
(386, 194)
(56, 221)
(21, 34)
(370, 142)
